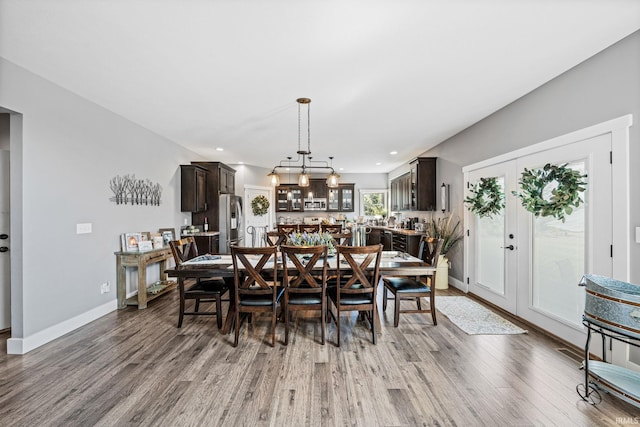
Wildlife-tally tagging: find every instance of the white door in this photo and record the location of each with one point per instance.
(5, 282)
(493, 273)
(554, 255)
(531, 266)
(257, 225)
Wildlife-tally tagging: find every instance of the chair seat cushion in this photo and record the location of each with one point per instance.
(302, 299)
(405, 284)
(208, 287)
(260, 299)
(350, 299)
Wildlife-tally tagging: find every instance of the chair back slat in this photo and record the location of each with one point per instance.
(429, 251)
(358, 275)
(248, 273)
(301, 275)
(309, 228)
(183, 249)
(331, 228)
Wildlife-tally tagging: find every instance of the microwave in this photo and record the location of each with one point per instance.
(315, 204)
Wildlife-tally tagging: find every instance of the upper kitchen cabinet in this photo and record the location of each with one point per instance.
(289, 198)
(346, 197)
(317, 189)
(415, 190)
(221, 177)
(193, 182)
(423, 184)
(220, 180)
(341, 199)
(401, 193)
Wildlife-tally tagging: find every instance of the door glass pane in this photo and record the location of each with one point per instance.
(490, 262)
(558, 261)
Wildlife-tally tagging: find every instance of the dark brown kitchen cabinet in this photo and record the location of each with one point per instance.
(220, 180)
(317, 189)
(423, 184)
(286, 202)
(406, 243)
(227, 180)
(341, 199)
(415, 190)
(193, 183)
(401, 193)
(207, 243)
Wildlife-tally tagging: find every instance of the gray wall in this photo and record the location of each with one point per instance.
(4, 131)
(604, 87)
(70, 150)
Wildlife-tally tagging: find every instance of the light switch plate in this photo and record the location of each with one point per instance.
(83, 228)
(637, 234)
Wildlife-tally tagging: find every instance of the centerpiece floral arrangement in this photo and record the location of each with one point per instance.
(312, 239)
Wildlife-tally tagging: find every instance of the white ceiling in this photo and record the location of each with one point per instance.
(382, 75)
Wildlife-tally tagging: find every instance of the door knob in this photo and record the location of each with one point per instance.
(3, 249)
(510, 247)
(4, 236)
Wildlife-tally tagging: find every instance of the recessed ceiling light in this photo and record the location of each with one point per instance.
(341, 169)
(241, 163)
(393, 153)
(378, 163)
(219, 149)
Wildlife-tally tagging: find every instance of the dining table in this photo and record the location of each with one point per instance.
(392, 263)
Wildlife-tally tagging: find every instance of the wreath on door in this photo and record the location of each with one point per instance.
(260, 205)
(563, 197)
(487, 198)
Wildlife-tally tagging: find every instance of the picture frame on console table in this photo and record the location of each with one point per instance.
(168, 234)
(131, 241)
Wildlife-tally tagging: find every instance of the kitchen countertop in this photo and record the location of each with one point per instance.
(404, 231)
(202, 233)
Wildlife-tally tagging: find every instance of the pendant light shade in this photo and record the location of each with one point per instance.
(303, 179)
(274, 178)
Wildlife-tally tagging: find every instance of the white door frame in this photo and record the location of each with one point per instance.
(270, 213)
(619, 129)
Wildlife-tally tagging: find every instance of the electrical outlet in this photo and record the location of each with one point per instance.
(83, 228)
(105, 287)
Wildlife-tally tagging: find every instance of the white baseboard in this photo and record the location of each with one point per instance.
(458, 284)
(25, 345)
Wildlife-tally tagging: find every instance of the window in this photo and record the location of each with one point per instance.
(373, 203)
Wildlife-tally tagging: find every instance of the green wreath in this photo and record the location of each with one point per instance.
(259, 205)
(563, 198)
(487, 198)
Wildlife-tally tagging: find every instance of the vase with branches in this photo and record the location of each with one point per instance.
(445, 228)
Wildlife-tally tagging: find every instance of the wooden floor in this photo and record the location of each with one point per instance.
(135, 367)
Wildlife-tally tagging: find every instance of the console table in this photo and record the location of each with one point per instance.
(140, 260)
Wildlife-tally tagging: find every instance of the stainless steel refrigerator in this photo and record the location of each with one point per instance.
(230, 225)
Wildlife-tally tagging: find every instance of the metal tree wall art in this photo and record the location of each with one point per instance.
(127, 189)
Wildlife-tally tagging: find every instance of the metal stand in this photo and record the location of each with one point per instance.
(609, 378)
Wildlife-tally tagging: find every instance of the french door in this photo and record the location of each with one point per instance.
(530, 266)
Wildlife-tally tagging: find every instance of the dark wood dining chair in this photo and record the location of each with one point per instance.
(256, 290)
(304, 286)
(331, 228)
(342, 238)
(284, 231)
(415, 287)
(356, 283)
(203, 290)
(309, 228)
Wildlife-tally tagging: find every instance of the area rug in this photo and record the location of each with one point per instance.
(475, 319)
